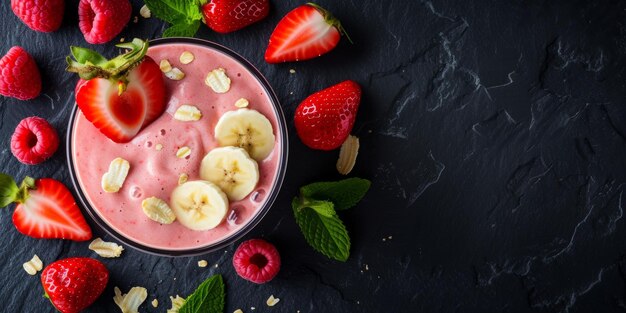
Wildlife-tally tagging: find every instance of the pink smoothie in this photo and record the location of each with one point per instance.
(155, 173)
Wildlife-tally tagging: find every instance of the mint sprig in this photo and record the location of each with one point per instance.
(184, 15)
(314, 211)
(209, 297)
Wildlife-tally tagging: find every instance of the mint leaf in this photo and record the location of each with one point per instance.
(194, 11)
(208, 297)
(184, 15)
(326, 234)
(8, 190)
(325, 208)
(175, 11)
(344, 193)
(182, 30)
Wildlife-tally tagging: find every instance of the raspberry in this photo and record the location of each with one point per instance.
(256, 260)
(101, 20)
(40, 15)
(34, 140)
(19, 75)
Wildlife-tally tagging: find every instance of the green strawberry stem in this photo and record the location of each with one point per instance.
(10, 192)
(27, 184)
(89, 64)
(331, 20)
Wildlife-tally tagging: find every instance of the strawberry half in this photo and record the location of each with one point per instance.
(120, 96)
(73, 284)
(45, 209)
(225, 16)
(324, 119)
(304, 33)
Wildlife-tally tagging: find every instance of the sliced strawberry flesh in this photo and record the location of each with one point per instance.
(50, 211)
(147, 80)
(127, 108)
(304, 33)
(99, 101)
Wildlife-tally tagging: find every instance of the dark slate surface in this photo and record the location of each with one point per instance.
(494, 133)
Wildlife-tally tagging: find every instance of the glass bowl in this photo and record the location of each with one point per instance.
(271, 194)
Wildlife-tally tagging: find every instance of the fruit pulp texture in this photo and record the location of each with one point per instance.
(156, 173)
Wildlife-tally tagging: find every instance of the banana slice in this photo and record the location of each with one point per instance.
(232, 169)
(199, 205)
(247, 129)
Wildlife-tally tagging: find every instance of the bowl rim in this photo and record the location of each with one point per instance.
(251, 224)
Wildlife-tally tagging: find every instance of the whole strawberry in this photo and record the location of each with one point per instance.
(19, 75)
(40, 15)
(75, 283)
(102, 20)
(225, 16)
(324, 119)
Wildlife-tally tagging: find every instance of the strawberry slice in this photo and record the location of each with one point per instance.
(147, 81)
(119, 117)
(45, 209)
(304, 33)
(119, 96)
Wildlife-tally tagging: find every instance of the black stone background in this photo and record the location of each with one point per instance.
(494, 133)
